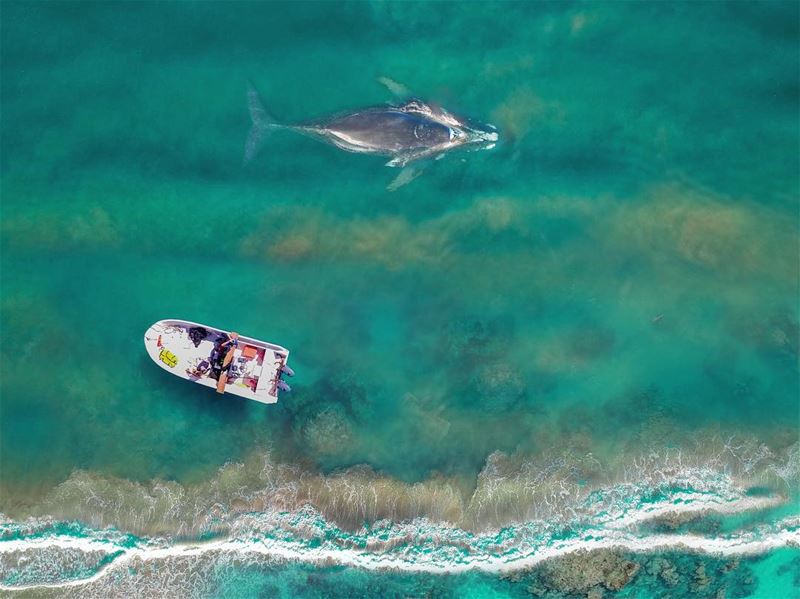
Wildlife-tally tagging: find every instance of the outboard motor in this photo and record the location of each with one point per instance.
(287, 370)
(283, 386)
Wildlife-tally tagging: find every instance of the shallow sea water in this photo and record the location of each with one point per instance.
(583, 339)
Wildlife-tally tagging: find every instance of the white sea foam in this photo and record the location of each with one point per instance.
(554, 486)
(414, 546)
(521, 513)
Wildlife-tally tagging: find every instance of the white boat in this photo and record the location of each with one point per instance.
(192, 351)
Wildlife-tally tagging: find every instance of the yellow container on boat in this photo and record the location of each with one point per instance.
(168, 358)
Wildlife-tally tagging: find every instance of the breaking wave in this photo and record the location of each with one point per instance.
(277, 514)
(46, 553)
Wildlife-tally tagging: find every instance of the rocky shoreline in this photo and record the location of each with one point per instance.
(606, 572)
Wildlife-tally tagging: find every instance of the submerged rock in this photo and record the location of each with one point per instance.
(694, 522)
(497, 387)
(329, 432)
(583, 571)
(615, 572)
(701, 579)
(663, 569)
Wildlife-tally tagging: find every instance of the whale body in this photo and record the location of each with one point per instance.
(407, 132)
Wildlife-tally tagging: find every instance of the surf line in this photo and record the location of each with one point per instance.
(747, 544)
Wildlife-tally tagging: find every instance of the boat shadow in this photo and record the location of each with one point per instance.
(186, 394)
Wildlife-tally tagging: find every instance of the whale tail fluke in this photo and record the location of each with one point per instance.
(263, 123)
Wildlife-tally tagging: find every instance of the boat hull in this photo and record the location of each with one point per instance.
(185, 349)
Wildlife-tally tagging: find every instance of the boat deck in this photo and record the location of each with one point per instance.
(255, 368)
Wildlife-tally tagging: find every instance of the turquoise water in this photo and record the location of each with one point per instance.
(592, 324)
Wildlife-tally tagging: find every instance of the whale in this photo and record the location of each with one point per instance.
(405, 133)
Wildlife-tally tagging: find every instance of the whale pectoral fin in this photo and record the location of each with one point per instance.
(406, 176)
(401, 92)
(400, 160)
(397, 89)
(404, 158)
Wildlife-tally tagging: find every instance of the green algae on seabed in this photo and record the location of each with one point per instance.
(516, 295)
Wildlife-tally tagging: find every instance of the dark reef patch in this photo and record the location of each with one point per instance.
(611, 573)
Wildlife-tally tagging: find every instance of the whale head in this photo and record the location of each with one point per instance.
(463, 131)
(475, 135)
(484, 137)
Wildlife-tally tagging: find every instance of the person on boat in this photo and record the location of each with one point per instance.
(227, 348)
(233, 341)
(199, 369)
